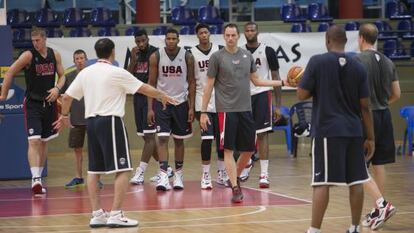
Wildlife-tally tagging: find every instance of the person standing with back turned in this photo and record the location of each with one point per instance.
(338, 86)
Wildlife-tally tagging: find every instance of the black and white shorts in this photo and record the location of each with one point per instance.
(173, 120)
(262, 111)
(108, 148)
(338, 161)
(141, 113)
(40, 116)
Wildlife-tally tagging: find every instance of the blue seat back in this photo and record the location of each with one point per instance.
(209, 15)
(101, 16)
(182, 15)
(290, 12)
(318, 12)
(300, 27)
(54, 32)
(130, 31)
(323, 26)
(352, 26)
(108, 31)
(19, 19)
(80, 32)
(216, 29)
(159, 30)
(74, 17)
(47, 18)
(187, 30)
(407, 113)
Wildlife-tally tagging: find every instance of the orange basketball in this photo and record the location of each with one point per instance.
(294, 75)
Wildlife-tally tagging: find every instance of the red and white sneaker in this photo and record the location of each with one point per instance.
(37, 187)
(264, 182)
(377, 217)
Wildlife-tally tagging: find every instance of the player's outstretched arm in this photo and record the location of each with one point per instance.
(153, 93)
(264, 83)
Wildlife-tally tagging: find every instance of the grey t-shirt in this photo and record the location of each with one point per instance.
(77, 110)
(232, 79)
(381, 73)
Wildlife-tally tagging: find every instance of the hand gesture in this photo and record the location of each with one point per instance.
(204, 121)
(369, 147)
(53, 94)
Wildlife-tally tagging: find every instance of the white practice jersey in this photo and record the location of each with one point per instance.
(172, 75)
(200, 73)
(263, 70)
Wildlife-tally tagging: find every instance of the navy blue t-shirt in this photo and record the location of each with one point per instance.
(337, 83)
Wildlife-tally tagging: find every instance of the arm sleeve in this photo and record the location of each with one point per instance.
(271, 58)
(75, 89)
(213, 66)
(127, 81)
(309, 78)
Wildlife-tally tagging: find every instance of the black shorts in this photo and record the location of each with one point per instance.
(173, 120)
(77, 136)
(108, 149)
(237, 131)
(141, 112)
(262, 111)
(212, 129)
(384, 138)
(338, 161)
(40, 116)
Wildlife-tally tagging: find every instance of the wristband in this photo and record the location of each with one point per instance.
(65, 115)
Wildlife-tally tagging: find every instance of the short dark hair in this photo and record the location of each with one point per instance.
(200, 26)
(79, 51)
(369, 32)
(104, 47)
(337, 34)
(140, 32)
(231, 25)
(252, 23)
(172, 30)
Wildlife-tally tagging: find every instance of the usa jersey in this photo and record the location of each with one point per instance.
(172, 75)
(40, 75)
(200, 72)
(263, 70)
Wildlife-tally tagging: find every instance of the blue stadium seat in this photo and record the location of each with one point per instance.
(22, 38)
(323, 26)
(74, 17)
(182, 15)
(80, 32)
(47, 18)
(54, 32)
(209, 15)
(396, 9)
(187, 30)
(286, 128)
(108, 31)
(318, 12)
(290, 12)
(352, 26)
(406, 28)
(216, 29)
(300, 27)
(407, 113)
(385, 30)
(130, 31)
(160, 30)
(395, 50)
(101, 16)
(19, 19)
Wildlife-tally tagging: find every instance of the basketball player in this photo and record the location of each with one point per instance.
(172, 71)
(107, 136)
(385, 90)
(139, 68)
(230, 71)
(339, 87)
(267, 68)
(40, 65)
(202, 53)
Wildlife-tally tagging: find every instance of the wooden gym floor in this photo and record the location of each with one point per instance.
(285, 207)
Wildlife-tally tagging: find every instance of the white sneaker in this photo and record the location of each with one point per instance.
(222, 178)
(155, 178)
(99, 219)
(244, 175)
(385, 213)
(138, 177)
(206, 181)
(178, 180)
(163, 183)
(264, 182)
(37, 187)
(119, 220)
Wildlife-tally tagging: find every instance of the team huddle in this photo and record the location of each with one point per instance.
(228, 89)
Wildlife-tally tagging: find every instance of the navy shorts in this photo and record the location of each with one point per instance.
(237, 131)
(108, 149)
(40, 116)
(141, 113)
(338, 161)
(212, 129)
(173, 120)
(384, 138)
(262, 111)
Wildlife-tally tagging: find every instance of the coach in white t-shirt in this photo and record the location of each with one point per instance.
(104, 88)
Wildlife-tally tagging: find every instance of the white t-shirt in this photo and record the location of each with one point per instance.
(104, 88)
(263, 70)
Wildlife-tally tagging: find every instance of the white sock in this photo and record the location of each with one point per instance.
(380, 202)
(143, 166)
(35, 171)
(264, 166)
(354, 228)
(206, 168)
(220, 165)
(40, 171)
(314, 230)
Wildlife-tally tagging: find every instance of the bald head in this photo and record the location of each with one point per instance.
(369, 32)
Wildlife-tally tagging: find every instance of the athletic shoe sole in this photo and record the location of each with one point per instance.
(37, 189)
(97, 225)
(120, 225)
(264, 185)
